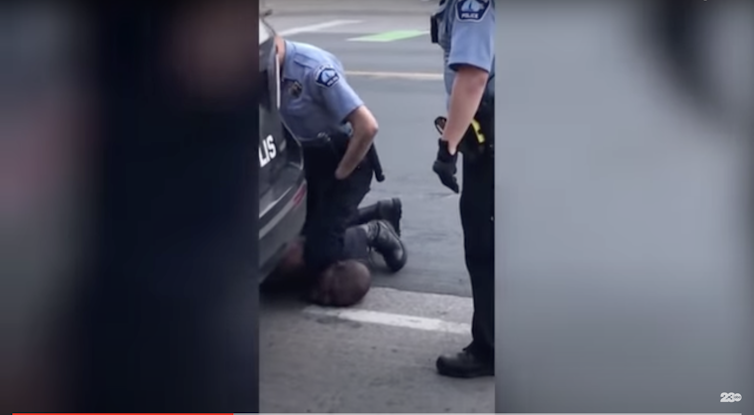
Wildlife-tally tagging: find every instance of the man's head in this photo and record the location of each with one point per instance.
(343, 284)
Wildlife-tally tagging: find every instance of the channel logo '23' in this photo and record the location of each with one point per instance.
(730, 397)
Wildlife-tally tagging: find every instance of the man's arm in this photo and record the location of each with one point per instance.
(472, 53)
(364, 130)
(346, 105)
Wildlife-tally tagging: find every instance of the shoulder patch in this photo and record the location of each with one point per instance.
(327, 76)
(472, 10)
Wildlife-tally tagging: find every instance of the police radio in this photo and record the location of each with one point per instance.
(434, 23)
(434, 29)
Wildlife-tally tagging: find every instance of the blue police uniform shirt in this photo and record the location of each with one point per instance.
(466, 34)
(314, 96)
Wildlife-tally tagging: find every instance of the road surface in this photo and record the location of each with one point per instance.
(621, 236)
(380, 356)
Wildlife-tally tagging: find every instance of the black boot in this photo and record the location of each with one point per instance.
(382, 238)
(465, 365)
(390, 210)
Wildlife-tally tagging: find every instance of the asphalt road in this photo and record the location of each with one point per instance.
(379, 356)
(622, 234)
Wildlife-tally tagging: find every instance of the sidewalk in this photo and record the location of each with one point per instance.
(341, 7)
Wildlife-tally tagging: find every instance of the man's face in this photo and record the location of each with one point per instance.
(322, 292)
(291, 265)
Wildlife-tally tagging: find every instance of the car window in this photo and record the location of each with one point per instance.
(268, 99)
(270, 91)
(264, 96)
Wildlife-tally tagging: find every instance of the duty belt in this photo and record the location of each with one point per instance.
(339, 141)
(321, 141)
(479, 137)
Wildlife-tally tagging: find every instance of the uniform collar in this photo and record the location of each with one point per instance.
(288, 60)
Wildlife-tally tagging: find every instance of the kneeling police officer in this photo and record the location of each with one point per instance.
(336, 131)
(465, 30)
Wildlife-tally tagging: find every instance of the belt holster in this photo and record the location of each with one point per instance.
(479, 139)
(338, 144)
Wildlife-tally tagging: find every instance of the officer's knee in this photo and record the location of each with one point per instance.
(323, 249)
(343, 284)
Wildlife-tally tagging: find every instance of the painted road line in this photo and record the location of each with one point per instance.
(391, 36)
(419, 76)
(391, 319)
(316, 27)
(429, 312)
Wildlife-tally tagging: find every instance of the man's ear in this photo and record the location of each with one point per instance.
(319, 293)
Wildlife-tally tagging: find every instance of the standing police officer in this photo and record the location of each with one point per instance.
(675, 34)
(336, 131)
(465, 30)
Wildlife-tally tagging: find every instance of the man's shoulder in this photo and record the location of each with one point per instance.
(310, 56)
(315, 63)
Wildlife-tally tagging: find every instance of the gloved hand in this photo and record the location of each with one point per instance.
(445, 166)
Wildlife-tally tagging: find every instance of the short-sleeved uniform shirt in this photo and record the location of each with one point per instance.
(315, 96)
(466, 34)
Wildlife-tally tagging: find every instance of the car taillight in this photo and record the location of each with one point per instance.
(299, 196)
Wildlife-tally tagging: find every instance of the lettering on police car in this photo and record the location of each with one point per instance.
(267, 151)
(327, 76)
(472, 10)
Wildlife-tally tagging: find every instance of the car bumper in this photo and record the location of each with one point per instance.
(280, 226)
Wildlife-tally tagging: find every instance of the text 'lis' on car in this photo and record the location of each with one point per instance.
(282, 183)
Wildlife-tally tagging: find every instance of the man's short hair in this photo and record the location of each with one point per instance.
(343, 284)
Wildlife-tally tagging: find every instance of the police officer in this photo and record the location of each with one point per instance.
(674, 34)
(336, 131)
(465, 30)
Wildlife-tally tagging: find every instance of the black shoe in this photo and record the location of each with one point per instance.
(390, 210)
(464, 365)
(383, 238)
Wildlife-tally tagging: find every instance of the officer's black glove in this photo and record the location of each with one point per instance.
(445, 166)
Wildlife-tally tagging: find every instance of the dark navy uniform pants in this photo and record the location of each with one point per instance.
(332, 209)
(477, 208)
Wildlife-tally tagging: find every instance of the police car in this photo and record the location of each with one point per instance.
(282, 184)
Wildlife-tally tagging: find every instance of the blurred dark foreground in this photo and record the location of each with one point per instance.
(625, 278)
(128, 208)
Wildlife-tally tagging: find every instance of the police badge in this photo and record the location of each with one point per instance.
(295, 89)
